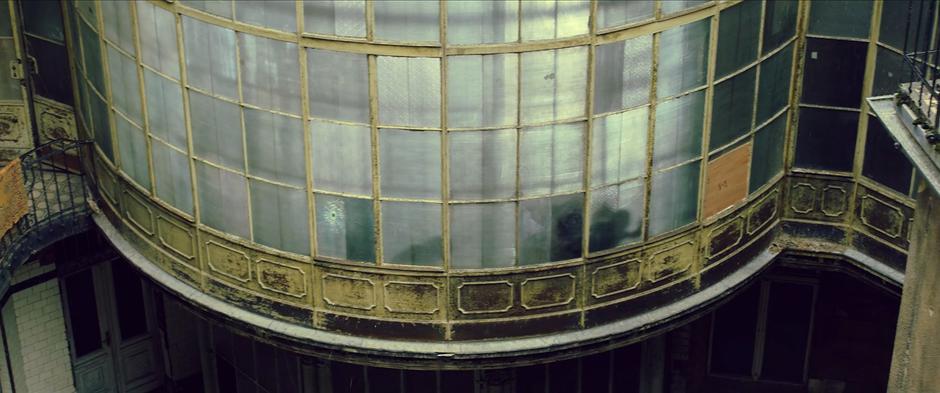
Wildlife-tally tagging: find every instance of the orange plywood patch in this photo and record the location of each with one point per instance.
(13, 201)
(726, 180)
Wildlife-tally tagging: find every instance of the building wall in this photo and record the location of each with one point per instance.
(35, 326)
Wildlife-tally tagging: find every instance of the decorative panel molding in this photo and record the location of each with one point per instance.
(616, 278)
(484, 297)
(550, 291)
(281, 278)
(176, 238)
(138, 213)
(671, 260)
(350, 292)
(228, 261)
(411, 297)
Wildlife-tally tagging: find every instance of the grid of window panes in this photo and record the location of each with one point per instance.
(466, 160)
(836, 53)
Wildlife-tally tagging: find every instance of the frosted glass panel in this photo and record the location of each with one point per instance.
(223, 199)
(550, 229)
(617, 215)
(210, 57)
(335, 17)
(157, 29)
(482, 90)
(407, 20)
(91, 52)
(275, 147)
(101, 127)
(411, 163)
(683, 57)
(737, 37)
(171, 171)
(217, 130)
(411, 233)
(673, 6)
(125, 88)
(279, 217)
(618, 147)
(482, 22)
(276, 14)
(612, 13)
(133, 147)
(674, 198)
(551, 159)
(218, 7)
(678, 134)
(341, 158)
(345, 228)
(165, 109)
(117, 24)
(554, 84)
(482, 235)
(339, 85)
(773, 91)
(547, 19)
(409, 91)
(733, 101)
(623, 74)
(270, 73)
(482, 164)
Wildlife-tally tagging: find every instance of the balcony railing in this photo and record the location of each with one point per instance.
(56, 201)
(921, 53)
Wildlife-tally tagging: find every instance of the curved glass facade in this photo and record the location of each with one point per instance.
(531, 136)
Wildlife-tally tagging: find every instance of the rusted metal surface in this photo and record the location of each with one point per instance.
(13, 198)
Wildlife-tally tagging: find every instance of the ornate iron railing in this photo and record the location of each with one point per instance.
(54, 176)
(921, 52)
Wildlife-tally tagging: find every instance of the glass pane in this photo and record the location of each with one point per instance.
(411, 233)
(617, 215)
(165, 109)
(407, 20)
(210, 57)
(279, 217)
(102, 127)
(342, 158)
(345, 228)
(826, 139)
(223, 199)
(773, 91)
(482, 22)
(733, 108)
(91, 52)
(767, 159)
(673, 198)
(53, 59)
(883, 162)
(86, 8)
(482, 235)
(125, 87)
(217, 130)
(411, 163)
(554, 84)
(83, 313)
(623, 74)
(157, 29)
(789, 314)
(612, 13)
(117, 24)
(894, 14)
(270, 73)
(683, 58)
(275, 147)
(551, 159)
(42, 18)
(482, 164)
(678, 134)
(673, 6)
(276, 14)
(129, 298)
(890, 72)
(409, 91)
(133, 147)
(734, 332)
(482, 90)
(171, 171)
(737, 37)
(335, 17)
(218, 7)
(618, 146)
(339, 85)
(779, 23)
(550, 229)
(833, 72)
(840, 18)
(547, 19)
